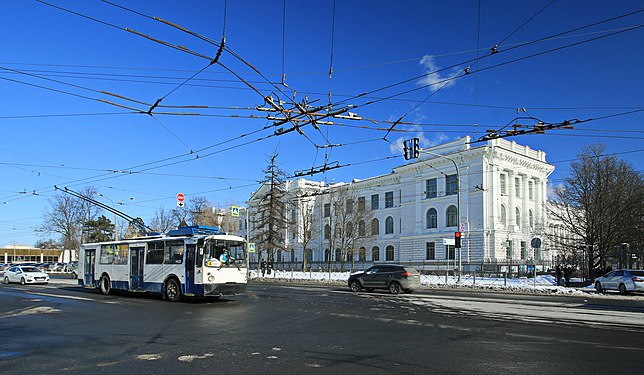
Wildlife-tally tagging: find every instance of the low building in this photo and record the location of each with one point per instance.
(21, 253)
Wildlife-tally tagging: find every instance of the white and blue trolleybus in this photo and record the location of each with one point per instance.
(189, 261)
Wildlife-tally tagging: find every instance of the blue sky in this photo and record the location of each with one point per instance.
(56, 66)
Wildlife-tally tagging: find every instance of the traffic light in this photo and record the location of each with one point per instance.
(457, 240)
(415, 148)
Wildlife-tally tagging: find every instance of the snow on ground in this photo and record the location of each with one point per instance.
(544, 284)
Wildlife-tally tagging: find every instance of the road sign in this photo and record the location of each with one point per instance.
(449, 241)
(536, 242)
(180, 197)
(251, 247)
(180, 204)
(234, 210)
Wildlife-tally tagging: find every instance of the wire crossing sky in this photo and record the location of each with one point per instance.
(145, 100)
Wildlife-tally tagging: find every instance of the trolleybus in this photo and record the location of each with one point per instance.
(188, 261)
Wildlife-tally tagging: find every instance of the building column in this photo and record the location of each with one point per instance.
(525, 210)
(511, 193)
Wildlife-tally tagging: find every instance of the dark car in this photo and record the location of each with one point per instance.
(394, 277)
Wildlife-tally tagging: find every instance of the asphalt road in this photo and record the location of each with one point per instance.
(309, 329)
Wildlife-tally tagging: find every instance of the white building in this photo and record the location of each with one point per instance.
(496, 199)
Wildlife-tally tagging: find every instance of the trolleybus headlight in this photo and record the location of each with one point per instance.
(211, 278)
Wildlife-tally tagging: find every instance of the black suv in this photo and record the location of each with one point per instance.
(394, 277)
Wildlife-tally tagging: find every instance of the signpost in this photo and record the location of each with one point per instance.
(180, 199)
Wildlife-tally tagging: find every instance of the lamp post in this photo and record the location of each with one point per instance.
(458, 202)
(247, 241)
(115, 227)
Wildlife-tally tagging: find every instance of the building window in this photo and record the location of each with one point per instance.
(350, 206)
(430, 251)
(361, 204)
(431, 189)
(389, 252)
(375, 201)
(524, 250)
(531, 218)
(508, 250)
(451, 184)
(361, 229)
(375, 227)
(517, 216)
(327, 209)
(327, 255)
(389, 225)
(327, 232)
(362, 254)
(375, 254)
(452, 216)
(432, 218)
(338, 255)
(504, 216)
(389, 199)
(517, 187)
(530, 190)
(450, 252)
(503, 184)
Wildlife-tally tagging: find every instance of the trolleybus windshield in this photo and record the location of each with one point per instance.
(219, 252)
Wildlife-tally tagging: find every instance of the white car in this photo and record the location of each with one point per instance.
(622, 280)
(25, 275)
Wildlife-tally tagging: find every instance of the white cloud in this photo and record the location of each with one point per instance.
(434, 81)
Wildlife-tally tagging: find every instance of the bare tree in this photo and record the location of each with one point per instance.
(163, 220)
(308, 226)
(601, 202)
(66, 215)
(347, 219)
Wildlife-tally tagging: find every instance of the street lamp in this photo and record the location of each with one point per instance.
(458, 202)
(247, 240)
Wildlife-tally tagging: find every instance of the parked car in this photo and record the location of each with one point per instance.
(622, 280)
(25, 275)
(394, 277)
(56, 267)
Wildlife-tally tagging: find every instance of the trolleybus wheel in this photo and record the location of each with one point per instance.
(172, 290)
(106, 285)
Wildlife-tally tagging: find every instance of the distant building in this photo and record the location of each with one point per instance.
(497, 200)
(22, 253)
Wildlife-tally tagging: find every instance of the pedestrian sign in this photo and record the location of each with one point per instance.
(251, 247)
(234, 210)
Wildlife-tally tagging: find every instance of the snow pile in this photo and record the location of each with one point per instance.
(544, 284)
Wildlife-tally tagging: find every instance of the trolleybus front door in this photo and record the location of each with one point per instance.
(190, 269)
(89, 267)
(136, 268)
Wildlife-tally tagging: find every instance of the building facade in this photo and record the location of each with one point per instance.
(493, 193)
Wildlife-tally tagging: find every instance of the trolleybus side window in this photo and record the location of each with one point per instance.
(155, 253)
(114, 254)
(173, 252)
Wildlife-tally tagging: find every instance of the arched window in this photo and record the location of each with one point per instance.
(375, 253)
(531, 218)
(362, 254)
(361, 229)
(375, 227)
(517, 216)
(504, 216)
(338, 255)
(327, 255)
(432, 218)
(452, 216)
(389, 225)
(327, 232)
(389, 252)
